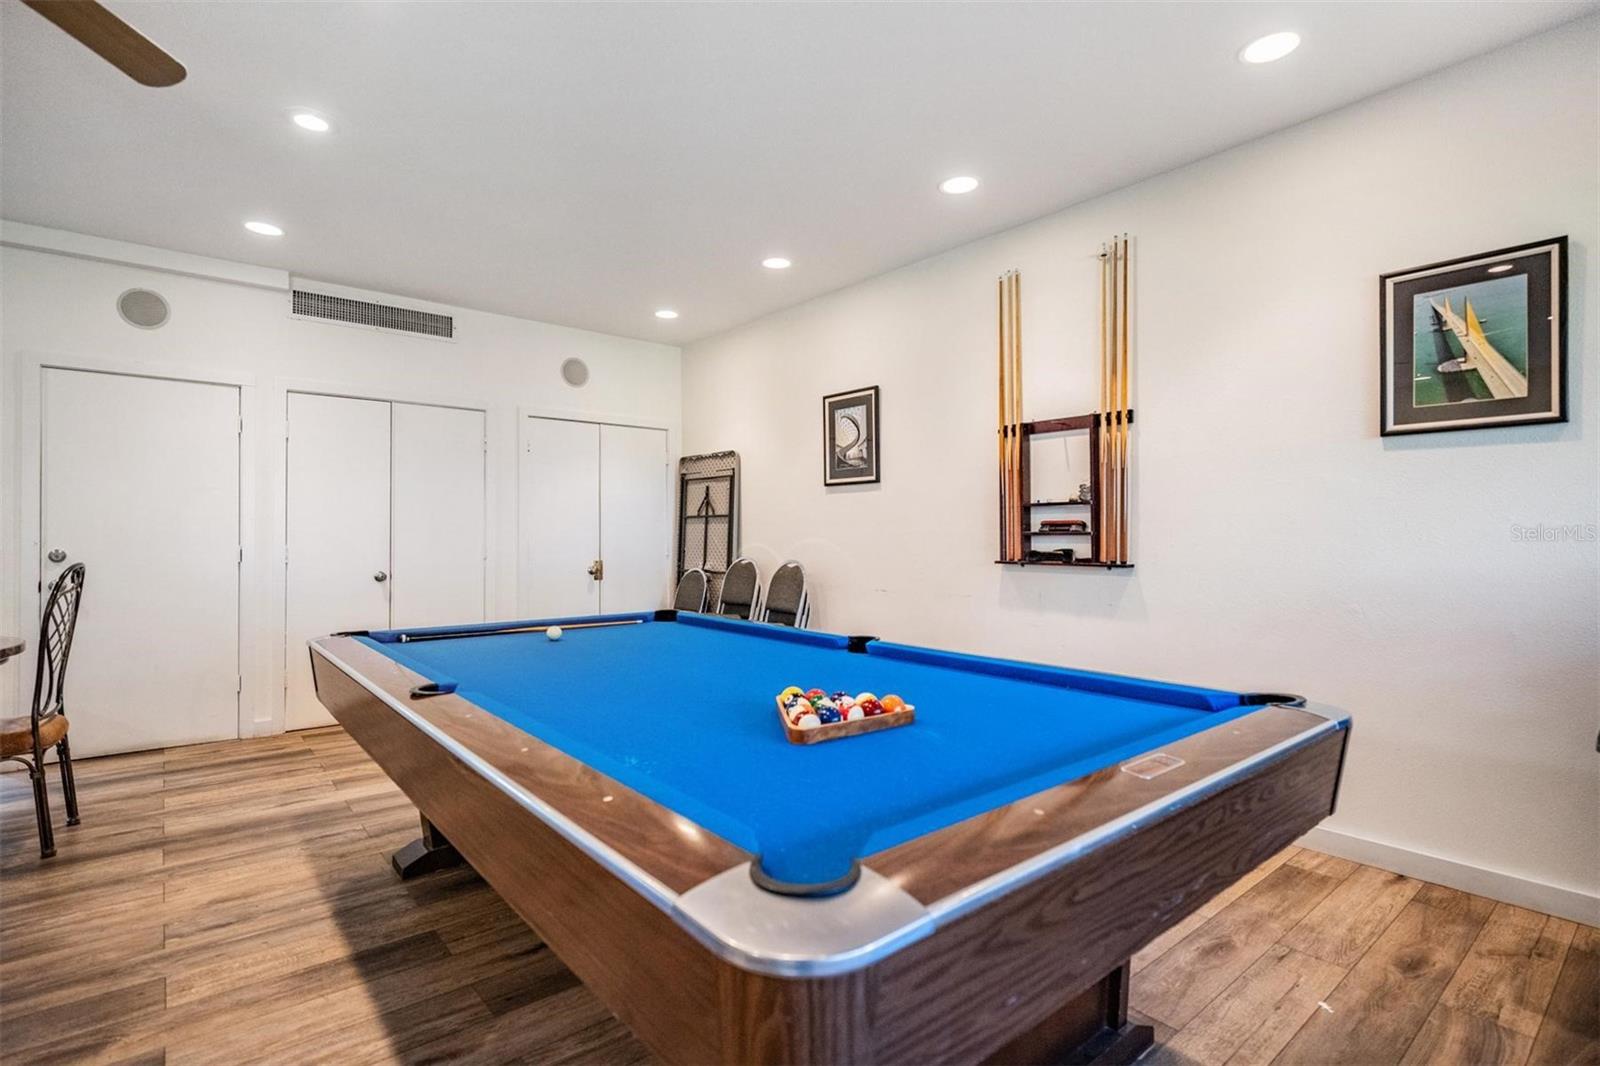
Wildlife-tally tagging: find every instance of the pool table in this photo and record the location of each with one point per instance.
(967, 888)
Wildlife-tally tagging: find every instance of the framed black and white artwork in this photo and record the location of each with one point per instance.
(851, 449)
(1475, 342)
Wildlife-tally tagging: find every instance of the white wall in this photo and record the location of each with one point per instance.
(1281, 545)
(60, 309)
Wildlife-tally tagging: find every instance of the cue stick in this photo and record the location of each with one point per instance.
(414, 638)
(1005, 414)
(1116, 427)
(1127, 426)
(1000, 412)
(1116, 415)
(1016, 402)
(1103, 496)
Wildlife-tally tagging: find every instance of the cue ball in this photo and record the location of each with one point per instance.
(554, 632)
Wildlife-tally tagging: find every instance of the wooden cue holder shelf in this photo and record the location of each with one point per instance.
(1097, 549)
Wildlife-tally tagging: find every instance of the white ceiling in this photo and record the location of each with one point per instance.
(589, 163)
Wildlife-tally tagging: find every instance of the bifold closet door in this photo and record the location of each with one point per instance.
(337, 533)
(140, 483)
(635, 519)
(437, 516)
(558, 518)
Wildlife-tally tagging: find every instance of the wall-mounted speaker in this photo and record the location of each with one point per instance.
(143, 308)
(575, 372)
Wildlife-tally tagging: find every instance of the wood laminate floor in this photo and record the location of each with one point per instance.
(233, 903)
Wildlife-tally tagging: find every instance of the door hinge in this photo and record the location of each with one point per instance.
(239, 687)
(241, 553)
(597, 569)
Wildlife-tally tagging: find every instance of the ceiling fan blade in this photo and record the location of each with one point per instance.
(112, 40)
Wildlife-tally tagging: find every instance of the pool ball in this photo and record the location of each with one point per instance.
(824, 704)
(838, 696)
(871, 707)
(892, 704)
(554, 632)
(863, 697)
(813, 693)
(807, 721)
(792, 690)
(828, 715)
(852, 712)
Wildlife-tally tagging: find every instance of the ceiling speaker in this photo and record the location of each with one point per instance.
(575, 372)
(143, 308)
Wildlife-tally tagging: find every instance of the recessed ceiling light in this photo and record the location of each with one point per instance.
(776, 262)
(957, 186)
(666, 312)
(266, 229)
(310, 120)
(1272, 47)
(1500, 269)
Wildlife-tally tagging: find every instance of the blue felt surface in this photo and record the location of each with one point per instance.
(683, 712)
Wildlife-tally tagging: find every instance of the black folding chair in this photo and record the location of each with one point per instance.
(25, 740)
(691, 594)
(788, 604)
(741, 591)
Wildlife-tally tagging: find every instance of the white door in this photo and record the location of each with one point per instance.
(635, 522)
(437, 526)
(558, 518)
(337, 533)
(140, 483)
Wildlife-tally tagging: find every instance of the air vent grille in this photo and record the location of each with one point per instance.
(366, 313)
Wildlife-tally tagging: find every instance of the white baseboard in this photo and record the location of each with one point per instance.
(1566, 903)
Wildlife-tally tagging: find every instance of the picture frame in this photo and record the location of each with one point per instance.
(851, 447)
(1474, 342)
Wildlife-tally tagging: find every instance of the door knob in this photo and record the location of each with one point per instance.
(57, 555)
(597, 569)
(380, 576)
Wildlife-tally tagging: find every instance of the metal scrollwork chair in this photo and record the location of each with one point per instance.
(26, 740)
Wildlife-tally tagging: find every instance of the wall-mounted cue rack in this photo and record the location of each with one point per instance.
(1110, 429)
(1103, 553)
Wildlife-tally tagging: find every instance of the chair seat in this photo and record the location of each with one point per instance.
(16, 734)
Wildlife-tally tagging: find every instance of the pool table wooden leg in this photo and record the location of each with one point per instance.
(1091, 1028)
(432, 852)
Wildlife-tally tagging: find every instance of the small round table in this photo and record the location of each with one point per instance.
(10, 646)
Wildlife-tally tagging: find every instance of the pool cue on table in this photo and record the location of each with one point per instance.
(413, 638)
